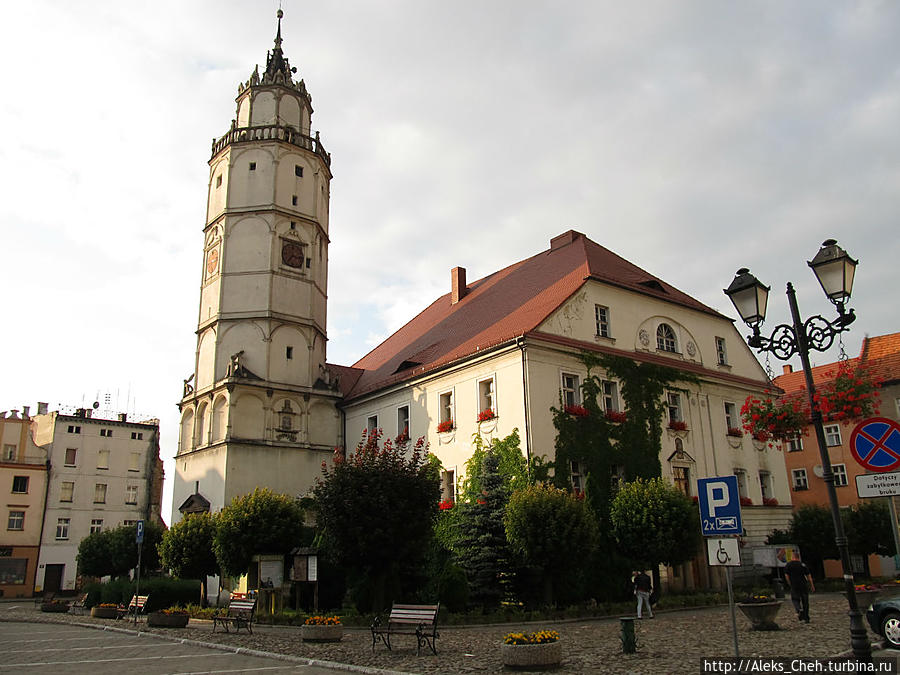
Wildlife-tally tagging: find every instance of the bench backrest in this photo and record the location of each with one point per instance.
(414, 614)
(138, 601)
(80, 600)
(241, 607)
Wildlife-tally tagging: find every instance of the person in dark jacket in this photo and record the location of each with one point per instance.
(642, 589)
(801, 582)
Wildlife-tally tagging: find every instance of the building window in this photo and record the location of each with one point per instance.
(897, 405)
(134, 461)
(62, 528)
(137, 435)
(486, 396)
(795, 443)
(371, 425)
(100, 493)
(126, 523)
(131, 494)
(742, 482)
(721, 354)
(103, 459)
(798, 478)
(74, 429)
(616, 475)
(9, 452)
(218, 181)
(253, 166)
(601, 317)
(96, 525)
(20, 484)
(571, 391)
(106, 432)
(293, 200)
(673, 405)
(681, 475)
(610, 393)
(403, 421)
(16, 520)
(840, 474)
(298, 171)
(665, 338)
(832, 434)
(731, 417)
(448, 485)
(289, 353)
(577, 476)
(765, 484)
(446, 407)
(71, 453)
(66, 491)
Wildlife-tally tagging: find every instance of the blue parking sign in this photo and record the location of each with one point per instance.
(720, 506)
(140, 532)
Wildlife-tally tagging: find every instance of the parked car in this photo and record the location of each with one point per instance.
(884, 618)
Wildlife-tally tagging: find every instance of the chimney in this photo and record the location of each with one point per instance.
(25, 410)
(457, 284)
(42, 408)
(565, 238)
(123, 417)
(787, 369)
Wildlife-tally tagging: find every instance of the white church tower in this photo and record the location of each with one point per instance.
(259, 409)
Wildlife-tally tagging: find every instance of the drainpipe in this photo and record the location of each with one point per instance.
(520, 343)
(43, 521)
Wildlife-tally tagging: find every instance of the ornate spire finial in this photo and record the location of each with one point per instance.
(279, 14)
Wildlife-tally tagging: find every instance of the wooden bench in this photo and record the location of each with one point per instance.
(45, 598)
(239, 615)
(401, 621)
(135, 607)
(78, 604)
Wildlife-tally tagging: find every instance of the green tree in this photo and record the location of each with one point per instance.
(812, 529)
(654, 522)
(376, 510)
(511, 465)
(551, 530)
(868, 526)
(114, 552)
(186, 549)
(257, 523)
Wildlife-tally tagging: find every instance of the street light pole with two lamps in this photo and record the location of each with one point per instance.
(835, 270)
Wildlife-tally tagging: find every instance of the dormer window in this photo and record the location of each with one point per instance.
(665, 339)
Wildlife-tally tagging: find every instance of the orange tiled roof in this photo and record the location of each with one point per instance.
(503, 306)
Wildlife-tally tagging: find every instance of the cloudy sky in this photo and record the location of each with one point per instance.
(692, 138)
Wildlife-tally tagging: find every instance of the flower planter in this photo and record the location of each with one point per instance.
(532, 657)
(866, 598)
(105, 612)
(761, 614)
(160, 620)
(57, 607)
(321, 633)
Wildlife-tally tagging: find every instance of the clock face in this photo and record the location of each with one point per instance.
(292, 254)
(212, 262)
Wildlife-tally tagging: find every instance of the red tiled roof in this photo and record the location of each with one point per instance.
(504, 306)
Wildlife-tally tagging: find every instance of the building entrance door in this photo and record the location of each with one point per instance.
(53, 575)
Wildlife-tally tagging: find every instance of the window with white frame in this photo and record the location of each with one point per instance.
(665, 338)
(601, 317)
(681, 476)
(134, 461)
(832, 435)
(9, 452)
(131, 494)
(840, 474)
(673, 406)
(96, 525)
(16, 520)
(403, 421)
(126, 523)
(445, 407)
(371, 425)
(577, 476)
(721, 354)
(794, 443)
(487, 400)
(100, 493)
(741, 476)
(74, 429)
(66, 491)
(732, 421)
(448, 485)
(106, 432)
(765, 484)
(571, 390)
(610, 395)
(20, 484)
(799, 480)
(103, 459)
(137, 435)
(62, 528)
(897, 406)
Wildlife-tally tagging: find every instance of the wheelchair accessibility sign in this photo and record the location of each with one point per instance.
(723, 552)
(720, 506)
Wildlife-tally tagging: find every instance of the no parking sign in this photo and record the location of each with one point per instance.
(875, 444)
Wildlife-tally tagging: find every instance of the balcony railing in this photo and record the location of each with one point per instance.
(26, 459)
(273, 132)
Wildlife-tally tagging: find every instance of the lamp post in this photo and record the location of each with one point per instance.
(835, 270)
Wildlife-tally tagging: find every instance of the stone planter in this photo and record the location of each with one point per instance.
(865, 598)
(160, 620)
(105, 612)
(761, 614)
(57, 607)
(321, 633)
(532, 657)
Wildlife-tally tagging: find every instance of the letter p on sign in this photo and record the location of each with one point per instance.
(716, 496)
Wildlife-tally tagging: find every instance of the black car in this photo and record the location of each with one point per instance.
(884, 618)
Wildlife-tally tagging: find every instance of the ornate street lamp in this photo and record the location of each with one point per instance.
(835, 270)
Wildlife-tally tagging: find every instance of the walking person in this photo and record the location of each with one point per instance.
(800, 579)
(642, 589)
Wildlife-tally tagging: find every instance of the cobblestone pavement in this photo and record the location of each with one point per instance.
(672, 642)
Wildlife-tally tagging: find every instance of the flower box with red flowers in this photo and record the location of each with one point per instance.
(576, 410)
(735, 431)
(773, 418)
(445, 505)
(746, 501)
(770, 501)
(486, 415)
(851, 394)
(678, 425)
(445, 426)
(615, 416)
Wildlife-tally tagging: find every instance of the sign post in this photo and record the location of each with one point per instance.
(137, 586)
(720, 520)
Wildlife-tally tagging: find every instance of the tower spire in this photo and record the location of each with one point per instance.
(278, 70)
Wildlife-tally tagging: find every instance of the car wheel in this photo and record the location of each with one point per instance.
(890, 628)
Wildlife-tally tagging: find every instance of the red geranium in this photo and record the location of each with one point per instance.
(577, 410)
(486, 415)
(446, 425)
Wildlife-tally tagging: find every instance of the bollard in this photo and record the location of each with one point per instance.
(629, 643)
(779, 589)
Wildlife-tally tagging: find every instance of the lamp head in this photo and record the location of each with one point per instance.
(749, 296)
(835, 270)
